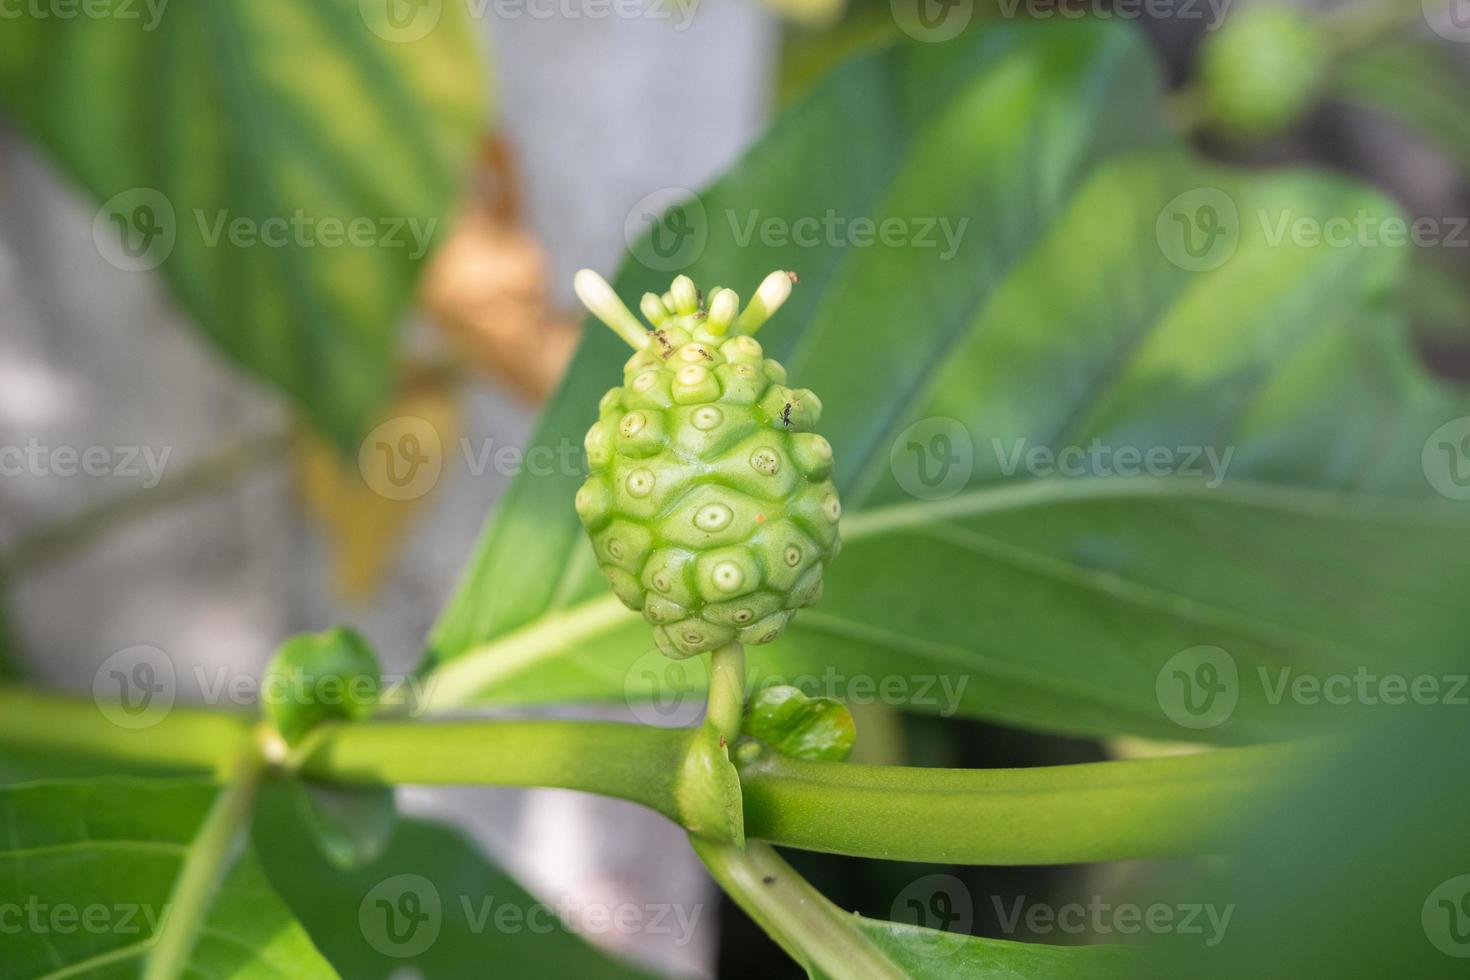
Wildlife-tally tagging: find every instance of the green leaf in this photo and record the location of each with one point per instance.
(95, 866)
(316, 677)
(1071, 312)
(1415, 82)
(1358, 871)
(10, 667)
(831, 944)
(923, 953)
(437, 871)
(793, 724)
(237, 143)
(351, 824)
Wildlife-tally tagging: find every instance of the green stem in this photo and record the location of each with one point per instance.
(1166, 807)
(726, 701)
(209, 859)
(817, 934)
(628, 762)
(186, 738)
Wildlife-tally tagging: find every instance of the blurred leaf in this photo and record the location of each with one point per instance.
(98, 862)
(351, 824)
(1438, 298)
(1359, 872)
(368, 503)
(922, 953)
(1071, 314)
(457, 915)
(288, 165)
(793, 724)
(808, 54)
(1418, 82)
(10, 668)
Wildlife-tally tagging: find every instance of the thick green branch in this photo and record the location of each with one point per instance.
(628, 762)
(1167, 807)
(187, 738)
(1181, 805)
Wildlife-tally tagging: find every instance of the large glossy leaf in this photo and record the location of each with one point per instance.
(1071, 311)
(334, 142)
(94, 866)
(429, 903)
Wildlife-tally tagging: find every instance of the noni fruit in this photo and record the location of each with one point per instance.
(710, 502)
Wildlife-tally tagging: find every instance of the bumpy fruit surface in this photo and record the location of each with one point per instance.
(710, 503)
(1263, 69)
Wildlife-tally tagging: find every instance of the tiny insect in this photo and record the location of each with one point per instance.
(664, 340)
(786, 415)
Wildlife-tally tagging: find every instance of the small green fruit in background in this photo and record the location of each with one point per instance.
(1263, 69)
(710, 502)
(318, 677)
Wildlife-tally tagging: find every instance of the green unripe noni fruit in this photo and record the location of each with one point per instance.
(710, 503)
(1262, 69)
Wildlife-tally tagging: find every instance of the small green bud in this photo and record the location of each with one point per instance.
(317, 677)
(796, 725)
